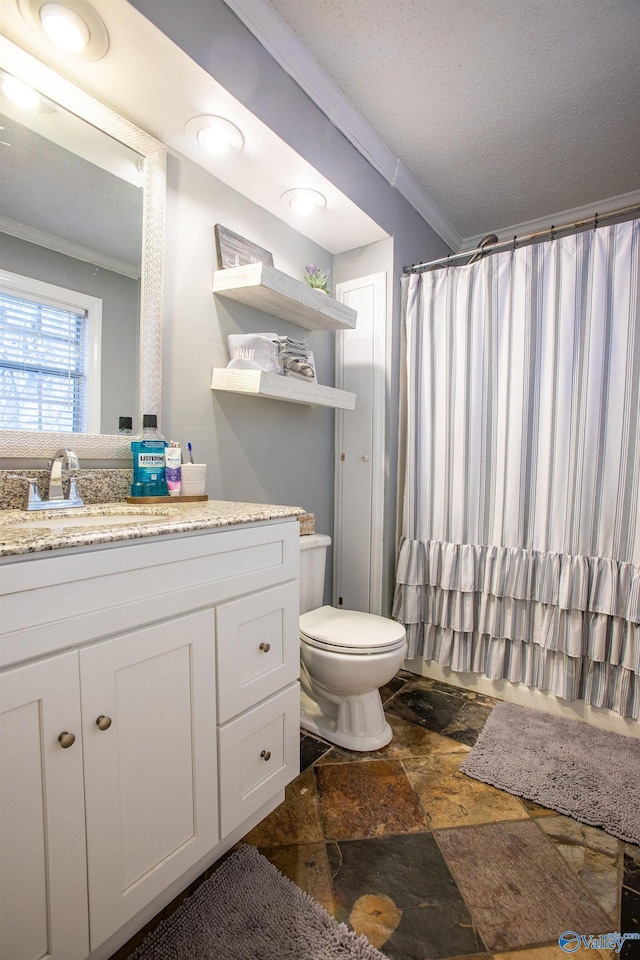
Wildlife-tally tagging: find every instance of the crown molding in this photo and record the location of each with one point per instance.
(294, 57)
(601, 207)
(23, 231)
(407, 185)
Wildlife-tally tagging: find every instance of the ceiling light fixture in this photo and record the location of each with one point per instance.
(72, 25)
(216, 135)
(20, 93)
(64, 27)
(304, 201)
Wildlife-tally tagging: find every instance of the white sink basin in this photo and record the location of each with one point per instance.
(69, 522)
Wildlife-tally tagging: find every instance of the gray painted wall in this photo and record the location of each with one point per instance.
(256, 450)
(120, 313)
(212, 35)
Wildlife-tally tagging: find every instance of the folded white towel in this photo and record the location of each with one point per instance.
(255, 351)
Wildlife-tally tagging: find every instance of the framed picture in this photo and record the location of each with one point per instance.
(234, 251)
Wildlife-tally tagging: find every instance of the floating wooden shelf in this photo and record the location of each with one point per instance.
(257, 383)
(265, 288)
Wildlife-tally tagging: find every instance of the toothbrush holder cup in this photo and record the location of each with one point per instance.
(194, 478)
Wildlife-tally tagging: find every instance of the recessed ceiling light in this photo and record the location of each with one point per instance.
(64, 27)
(303, 200)
(20, 93)
(72, 25)
(216, 135)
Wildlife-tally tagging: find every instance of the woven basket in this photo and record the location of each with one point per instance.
(307, 524)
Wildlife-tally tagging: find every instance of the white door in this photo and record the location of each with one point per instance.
(150, 773)
(360, 433)
(43, 874)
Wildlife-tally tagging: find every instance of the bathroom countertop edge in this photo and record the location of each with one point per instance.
(172, 519)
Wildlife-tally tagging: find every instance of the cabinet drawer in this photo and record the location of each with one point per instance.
(258, 647)
(259, 754)
(54, 602)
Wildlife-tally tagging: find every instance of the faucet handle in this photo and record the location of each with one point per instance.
(73, 489)
(34, 494)
(74, 497)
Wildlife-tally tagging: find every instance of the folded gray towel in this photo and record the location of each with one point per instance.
(294, 348)
(299, 376)
(296, 367)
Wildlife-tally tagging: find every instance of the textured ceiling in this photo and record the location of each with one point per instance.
(505, 111)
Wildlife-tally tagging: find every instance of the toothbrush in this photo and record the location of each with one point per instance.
(190, 453)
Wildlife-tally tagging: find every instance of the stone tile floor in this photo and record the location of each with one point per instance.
(429, 863)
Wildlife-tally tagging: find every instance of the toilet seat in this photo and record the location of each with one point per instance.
(350, 631)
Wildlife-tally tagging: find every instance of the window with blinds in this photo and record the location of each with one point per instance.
(43, 365)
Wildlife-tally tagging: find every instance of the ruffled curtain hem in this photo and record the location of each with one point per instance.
(598, 683)
(575, 633)
(568, 625)
(597, 584)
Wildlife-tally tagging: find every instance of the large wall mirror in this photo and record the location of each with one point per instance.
(82, 207)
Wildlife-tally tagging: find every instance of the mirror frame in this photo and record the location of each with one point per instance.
(27, 444)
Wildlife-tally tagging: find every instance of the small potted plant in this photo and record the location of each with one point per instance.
(318, 279)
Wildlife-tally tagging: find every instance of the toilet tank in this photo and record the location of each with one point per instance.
(313, 555)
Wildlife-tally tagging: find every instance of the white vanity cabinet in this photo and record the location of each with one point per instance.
(43, 872)
(150, 776)
(173, 662)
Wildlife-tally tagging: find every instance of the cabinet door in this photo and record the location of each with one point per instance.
(43, 880)
(150, 773)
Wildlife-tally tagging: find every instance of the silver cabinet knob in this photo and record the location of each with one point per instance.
(66, 739)
(265, 647)
(103, 722)
(266, 754)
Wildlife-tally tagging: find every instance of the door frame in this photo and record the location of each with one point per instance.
(378, 408)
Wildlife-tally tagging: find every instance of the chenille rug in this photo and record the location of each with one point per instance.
(247, 910)
(588, 774)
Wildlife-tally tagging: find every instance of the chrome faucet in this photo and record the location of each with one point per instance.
(60, 457)
(56, 497)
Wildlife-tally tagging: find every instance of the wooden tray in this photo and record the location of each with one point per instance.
(197, 499)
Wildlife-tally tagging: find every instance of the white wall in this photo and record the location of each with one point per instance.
(256, 450)
(526, 696)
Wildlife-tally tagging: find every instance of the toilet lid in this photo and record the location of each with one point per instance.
(350, 631)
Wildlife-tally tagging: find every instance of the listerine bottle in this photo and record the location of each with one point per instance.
(149, 472)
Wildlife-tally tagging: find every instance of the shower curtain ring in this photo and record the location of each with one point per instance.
(553, 232)
(515, 244)
(595, 221)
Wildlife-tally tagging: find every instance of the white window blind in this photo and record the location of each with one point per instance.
(43, 366)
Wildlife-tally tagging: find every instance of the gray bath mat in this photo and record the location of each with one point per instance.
(566, 765)
(247, 910)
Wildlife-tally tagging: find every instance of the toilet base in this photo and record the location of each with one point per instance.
(356, 723)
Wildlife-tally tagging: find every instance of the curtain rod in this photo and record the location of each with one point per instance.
(505, 244)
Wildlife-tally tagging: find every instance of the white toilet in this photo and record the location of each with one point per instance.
(346, 656)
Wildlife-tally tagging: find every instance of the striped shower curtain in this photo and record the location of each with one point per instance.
(519, 555)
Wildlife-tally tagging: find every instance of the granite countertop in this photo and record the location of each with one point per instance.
(155, 520)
